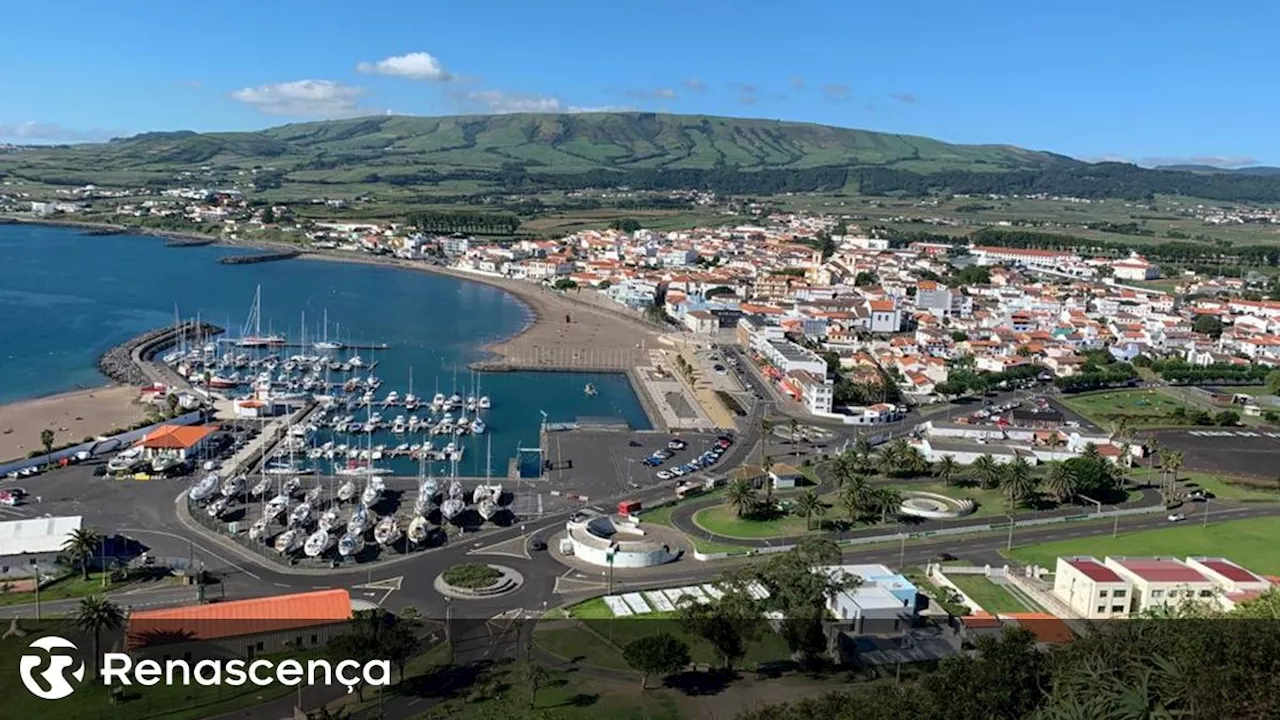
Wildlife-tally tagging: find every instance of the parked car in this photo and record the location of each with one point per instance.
(663, 475)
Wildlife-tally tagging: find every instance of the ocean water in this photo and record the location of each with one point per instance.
(66, 297)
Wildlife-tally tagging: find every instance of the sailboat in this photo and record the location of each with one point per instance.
(361, 520)
(316, 543)
(233, 486)
(328, 519)
(488, 508)
(258, 531)
(418, 530)
(372, 491)
(347, 492)
(350, 544)
(251, 332)
(477, 426)
(291, 486)
(387, 531)
(452, 508)
(325, 343)
(204, 488)
(426, 497)
(275, 506)
(261, 487)
(288, 541)
(313, 495)
(300, 515)
(455, 490)
(217, 507)
(590, 389)
(411, 401)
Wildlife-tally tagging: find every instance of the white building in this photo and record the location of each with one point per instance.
(1162, 582)
(1134, 268)
(883, 602)
(1092, 589)
(788, 357)
(815, 390)
(37, 536)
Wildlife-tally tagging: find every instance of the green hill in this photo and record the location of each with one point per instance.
(375, 148)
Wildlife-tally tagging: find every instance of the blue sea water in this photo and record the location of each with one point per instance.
(66, 297)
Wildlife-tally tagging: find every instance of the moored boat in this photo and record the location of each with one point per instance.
(203, 489)
(452, 508)
(289, 541)
(419, 529)
(387, 531)
(350, 544)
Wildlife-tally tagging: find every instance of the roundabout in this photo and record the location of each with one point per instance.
(475, 581)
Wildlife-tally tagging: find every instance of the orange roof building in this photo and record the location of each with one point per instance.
(239, 618)
(181, 440)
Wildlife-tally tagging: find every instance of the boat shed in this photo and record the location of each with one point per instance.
(37, 536)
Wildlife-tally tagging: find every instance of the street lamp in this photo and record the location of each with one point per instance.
(1011, 523)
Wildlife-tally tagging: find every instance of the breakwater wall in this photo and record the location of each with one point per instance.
(188, 242)
(259, 257)
(124, 362)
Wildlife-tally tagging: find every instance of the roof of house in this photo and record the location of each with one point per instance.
(240, 617)
(1046, 628)
(36, 535)
(176, 437)
(980, 621)
(1092, 569)
(1161, 569)
(1230, 570)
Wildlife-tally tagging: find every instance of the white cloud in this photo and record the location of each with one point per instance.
(43, 132)
(654, 94)
(497, 102)
(304, 98)
(415, 66)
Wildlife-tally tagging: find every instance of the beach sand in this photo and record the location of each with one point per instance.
(72, 416)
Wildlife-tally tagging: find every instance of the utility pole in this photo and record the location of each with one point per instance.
(1011, 523)
(902, 554)
(35, 568)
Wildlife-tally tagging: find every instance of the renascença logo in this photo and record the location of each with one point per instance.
(55, 684)
(120, 668)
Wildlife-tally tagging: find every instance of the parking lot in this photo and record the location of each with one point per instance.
(1232, 451)
(604, 463)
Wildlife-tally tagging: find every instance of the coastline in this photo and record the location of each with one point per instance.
(72, 415)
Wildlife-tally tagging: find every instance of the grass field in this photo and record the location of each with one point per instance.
(723, 520)
(1142, 408)
(1249, 542)
(576, 643)
(992, 597)
(1219, 485)
(662, 516)
(990, 502)
(69, 587)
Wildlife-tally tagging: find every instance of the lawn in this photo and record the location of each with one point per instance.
(992, 597)
(69, 587)
(577, 643)
(1142, 408)
(991, 503)
(158, 702)
(1249, 542)
(722, 520)
(662, 516)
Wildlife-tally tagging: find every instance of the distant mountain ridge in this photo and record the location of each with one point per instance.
(475, 155)
(1211, 169)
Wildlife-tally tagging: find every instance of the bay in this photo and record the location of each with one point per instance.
(67, 297)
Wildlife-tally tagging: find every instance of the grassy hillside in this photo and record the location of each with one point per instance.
(347, 151)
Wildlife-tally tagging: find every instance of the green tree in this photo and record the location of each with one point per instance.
(988, 471)
(1018, 483)
(268, 215)
(855, 497)
(46, 439)
(1273, 382)
(947, 469)
(740, 496)
(729, 623)
(887, 501)
(93, 615)
(1208, 325)
(809, 505)
(1060, 481)
(766, 464)
(80, 546)
(661, 654)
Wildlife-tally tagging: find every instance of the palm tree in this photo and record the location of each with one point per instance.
(1061, 481)
(740, 496)
(947, 469)
(46, 439)
(988, 471)
(912, 460)
(809, 505)
(1091, 451)
(80, 545)
(844, 466)
(1120, 428)
(886, 500)
(1018, 483)
(766, 464)
(862, 451)
(853, 497)
(95, 614)
(766, 428)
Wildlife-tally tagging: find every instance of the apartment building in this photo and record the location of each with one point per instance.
(1092, 589)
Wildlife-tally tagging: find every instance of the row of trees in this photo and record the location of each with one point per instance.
(461, 221)
(1179, 372)
(962, 380)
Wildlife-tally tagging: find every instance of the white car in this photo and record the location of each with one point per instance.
(1177, 517)
(663, 474)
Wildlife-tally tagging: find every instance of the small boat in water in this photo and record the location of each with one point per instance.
(316, 543)
(289, 541)
(477, 427)
(590, 389)
(452, 508)
(203, 489)
(418, 530)
(483, 402)
(350, 544)
(387, 531)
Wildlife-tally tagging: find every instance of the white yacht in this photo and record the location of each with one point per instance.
(233, 486)
(275, 506)
(418, 529)
(262, 487)
(477, 426)
(350, 545)
(217, 507)
(372, 491)
(328, 519)
(387, 531)
(483, 402)
(289, 541)
(317, 543)
(203, 489)
(361, 520)
(347, 491)
(300, 515)
(291, 486)
(258, 530)
(488, 508)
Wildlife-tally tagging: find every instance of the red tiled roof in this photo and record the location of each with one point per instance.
(176, 437)
(1093, 569)
(1229, 570)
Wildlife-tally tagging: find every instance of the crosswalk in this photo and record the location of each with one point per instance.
(15, 513)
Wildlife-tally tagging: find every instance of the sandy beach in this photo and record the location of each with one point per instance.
(72, 416)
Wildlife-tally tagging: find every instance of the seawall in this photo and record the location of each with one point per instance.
(127, 363)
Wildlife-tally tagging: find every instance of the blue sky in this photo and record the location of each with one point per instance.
(1134, 79)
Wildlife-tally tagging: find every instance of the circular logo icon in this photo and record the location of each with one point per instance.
(51, 683)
